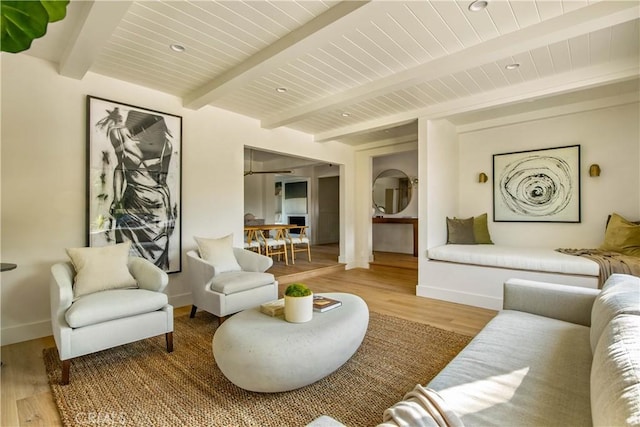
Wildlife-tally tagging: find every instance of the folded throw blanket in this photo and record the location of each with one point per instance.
(609, 262)
(421, 407)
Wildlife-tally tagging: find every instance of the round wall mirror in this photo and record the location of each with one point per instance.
(391, 192)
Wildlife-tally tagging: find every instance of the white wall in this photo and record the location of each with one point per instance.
(438, 164)
(254, 195)
(438, 184)
(609, 137)
(43, 178)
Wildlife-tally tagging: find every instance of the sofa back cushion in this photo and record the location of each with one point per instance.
(620, 295)
(615, 374)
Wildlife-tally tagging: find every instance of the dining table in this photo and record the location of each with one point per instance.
(281, 230)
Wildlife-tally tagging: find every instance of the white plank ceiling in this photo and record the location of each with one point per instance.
(352, 68)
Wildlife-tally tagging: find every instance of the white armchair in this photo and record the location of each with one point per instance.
(106, 319)
(225, 293)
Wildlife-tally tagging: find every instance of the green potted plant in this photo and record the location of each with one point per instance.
(298, 303)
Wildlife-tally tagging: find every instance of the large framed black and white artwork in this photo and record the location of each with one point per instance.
(134, 180)
(537, 185)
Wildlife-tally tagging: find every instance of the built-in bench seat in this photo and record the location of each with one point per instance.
(531, 259)
(473, 274)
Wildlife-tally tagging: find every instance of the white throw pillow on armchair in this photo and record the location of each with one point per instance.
(219, 253)
(101, 268)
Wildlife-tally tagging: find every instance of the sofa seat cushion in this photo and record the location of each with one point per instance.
(239, 281)
(615, 374)
(104, 306)
(521, 369)
(620, 295)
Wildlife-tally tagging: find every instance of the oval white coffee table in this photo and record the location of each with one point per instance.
(267, 354)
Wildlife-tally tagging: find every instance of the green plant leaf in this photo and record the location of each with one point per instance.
(56, 9)
(23, 21)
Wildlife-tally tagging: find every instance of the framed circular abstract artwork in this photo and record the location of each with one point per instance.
(537, 185)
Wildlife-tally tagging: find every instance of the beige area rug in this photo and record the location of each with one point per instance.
(140, 384)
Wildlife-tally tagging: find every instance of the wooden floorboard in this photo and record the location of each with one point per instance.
(26, 398)
(392, 259)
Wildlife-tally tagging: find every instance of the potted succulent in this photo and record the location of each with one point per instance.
(298, 303)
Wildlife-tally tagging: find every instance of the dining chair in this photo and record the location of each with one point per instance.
(275, 244)
(298, 242)
(251, 241)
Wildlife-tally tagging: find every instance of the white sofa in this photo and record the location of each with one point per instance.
(474, 274)
(555, 355)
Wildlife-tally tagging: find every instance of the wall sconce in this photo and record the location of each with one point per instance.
(414, 181)
(482, 178)
(594, 170)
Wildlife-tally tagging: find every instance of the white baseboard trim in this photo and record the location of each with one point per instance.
(180, 300)
(26, 332)
(359, 262)
(466, 298)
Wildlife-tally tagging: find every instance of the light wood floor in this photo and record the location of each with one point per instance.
(26, 399)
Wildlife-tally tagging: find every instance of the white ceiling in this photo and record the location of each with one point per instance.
(385, 63)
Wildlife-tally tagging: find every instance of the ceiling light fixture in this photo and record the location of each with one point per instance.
(513, 66)
(177, 47)
(478, 5)
(281, 89)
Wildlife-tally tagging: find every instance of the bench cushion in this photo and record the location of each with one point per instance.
(238, 281)
(104, 306)
(518, 258)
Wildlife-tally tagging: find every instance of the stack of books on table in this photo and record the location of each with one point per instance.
(273, 308)
(322, 303)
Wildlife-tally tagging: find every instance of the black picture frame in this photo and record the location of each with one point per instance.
(537, 185)
(134, 180)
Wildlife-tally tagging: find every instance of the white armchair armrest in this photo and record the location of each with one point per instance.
(569, 303)
(147, 274)
(61, 297)
(61, 287)
(200, 275)
(251, 261)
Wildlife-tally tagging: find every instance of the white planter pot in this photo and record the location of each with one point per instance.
(298, 309)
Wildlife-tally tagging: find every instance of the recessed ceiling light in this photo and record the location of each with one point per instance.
(345, 114)
(177, 47)
(513, 66)
(281, 89)
(478, 5)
